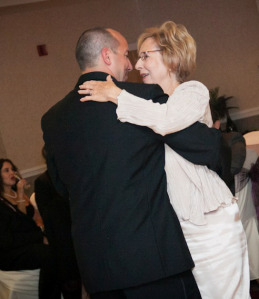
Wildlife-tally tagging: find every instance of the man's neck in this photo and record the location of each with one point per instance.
(97, 69)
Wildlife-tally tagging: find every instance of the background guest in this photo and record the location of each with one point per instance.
(22, 243)
(235, 144)
(55, 212)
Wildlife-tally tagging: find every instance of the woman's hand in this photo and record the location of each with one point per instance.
(22, 199)
(21, 184)
(100, 91)
(45, 240)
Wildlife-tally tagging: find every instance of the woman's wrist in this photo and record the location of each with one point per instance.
(116, 92)
(113, 100)
(20, 200)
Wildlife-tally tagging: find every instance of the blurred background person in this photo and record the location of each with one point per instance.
(23, 245)
(55, 212)
(234, 143)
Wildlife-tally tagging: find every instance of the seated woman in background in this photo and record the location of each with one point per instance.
(206, 208)
(23, 246)
(16, 193)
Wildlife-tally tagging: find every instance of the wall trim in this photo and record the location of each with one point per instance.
(4, 3)
(244, 113)
(37, 170)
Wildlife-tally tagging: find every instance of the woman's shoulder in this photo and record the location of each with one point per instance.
(193, 86)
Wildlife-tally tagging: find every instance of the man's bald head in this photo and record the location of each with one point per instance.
(91, 43)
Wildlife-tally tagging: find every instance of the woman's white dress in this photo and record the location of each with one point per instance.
(206, 208)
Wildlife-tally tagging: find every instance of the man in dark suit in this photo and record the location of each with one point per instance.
(127, 237)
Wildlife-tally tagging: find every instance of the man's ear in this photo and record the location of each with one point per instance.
(216, 124)
(106, 55)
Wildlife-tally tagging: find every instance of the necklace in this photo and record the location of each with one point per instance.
(12, 196)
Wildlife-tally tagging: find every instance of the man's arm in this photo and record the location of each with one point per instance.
(197, 144)
(50, 159)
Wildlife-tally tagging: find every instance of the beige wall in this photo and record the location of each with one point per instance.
(228, 55)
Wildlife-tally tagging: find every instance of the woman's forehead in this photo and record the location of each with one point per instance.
(148, 45)
(7, 165)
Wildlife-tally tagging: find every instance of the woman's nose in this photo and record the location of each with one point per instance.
(130, 67)
(138, 64)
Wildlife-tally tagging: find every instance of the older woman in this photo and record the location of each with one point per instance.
(207, 210)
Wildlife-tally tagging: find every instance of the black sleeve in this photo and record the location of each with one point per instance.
(198, 144)
(43, 198)
(225, 166)
(145, 91)
(42, 191)
(50, 159)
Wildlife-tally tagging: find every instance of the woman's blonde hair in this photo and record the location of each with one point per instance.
(177, 45)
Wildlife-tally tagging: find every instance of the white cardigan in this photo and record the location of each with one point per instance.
(193, 189)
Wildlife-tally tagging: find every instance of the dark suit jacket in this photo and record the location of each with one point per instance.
(55, 212)
(125, 231)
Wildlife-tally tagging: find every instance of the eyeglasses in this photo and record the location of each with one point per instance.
(144, 55)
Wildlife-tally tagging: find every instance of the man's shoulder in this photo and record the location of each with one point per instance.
(42, 178)
(146, 91)
(58, 108)
(139, 86)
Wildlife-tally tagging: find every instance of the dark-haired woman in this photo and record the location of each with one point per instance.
(23, 246)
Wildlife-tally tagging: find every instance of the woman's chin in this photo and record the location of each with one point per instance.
(146, 80)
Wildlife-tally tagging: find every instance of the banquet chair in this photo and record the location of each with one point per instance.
(21, 284)
(252, 140)
(243, 186)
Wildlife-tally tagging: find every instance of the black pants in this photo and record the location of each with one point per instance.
(71, 289)
(181, 286)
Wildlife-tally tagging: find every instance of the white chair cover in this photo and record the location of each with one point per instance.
(33, 201)
(19, 284)
(252, 140)
(249, 217)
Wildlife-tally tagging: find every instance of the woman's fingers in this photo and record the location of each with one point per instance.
(87, 98)
(85, 91)
(93, 95)
(91, 85)
(100, 91)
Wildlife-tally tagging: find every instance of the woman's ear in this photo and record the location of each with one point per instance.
(106, 55)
